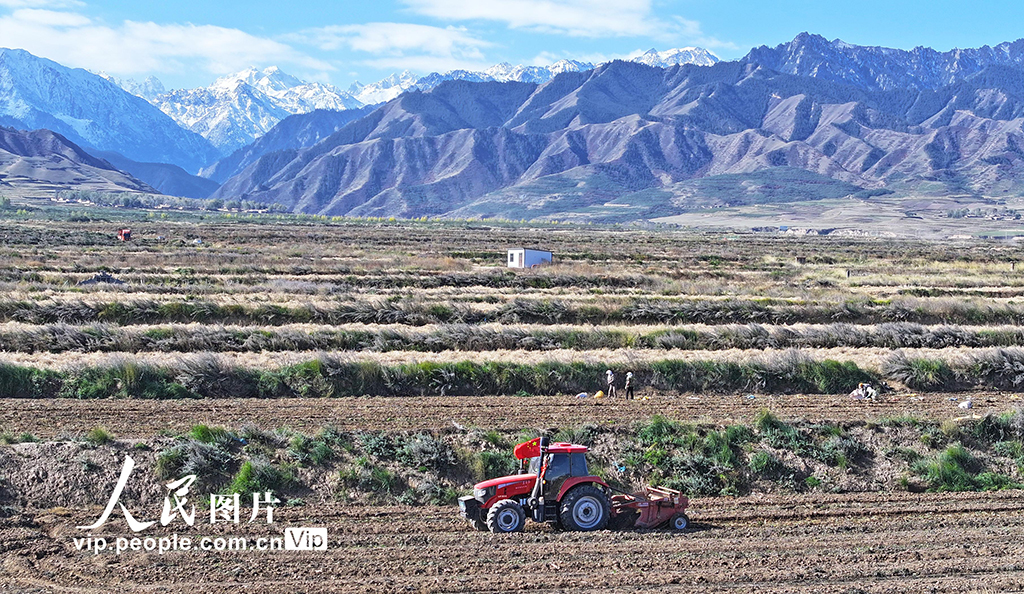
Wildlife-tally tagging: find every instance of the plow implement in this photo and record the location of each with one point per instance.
(653, 507)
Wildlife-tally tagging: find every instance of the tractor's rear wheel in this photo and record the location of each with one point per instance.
(584, 508)
(679, 522)
(506, 516)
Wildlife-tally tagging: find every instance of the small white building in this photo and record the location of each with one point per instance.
(524, 258)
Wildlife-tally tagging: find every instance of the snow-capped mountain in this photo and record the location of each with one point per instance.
(435, 78)
(384, 90)
(92, 112)
(149, 89)
(683, 55)
(505, 72)
(239, 108)
(294, 95)
(229, 117)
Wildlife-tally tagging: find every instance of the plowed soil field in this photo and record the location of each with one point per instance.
(143, 418)
(255, 297)
(893, 542)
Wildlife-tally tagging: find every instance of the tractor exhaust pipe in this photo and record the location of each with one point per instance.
(537, 496)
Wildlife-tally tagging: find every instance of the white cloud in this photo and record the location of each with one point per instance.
(393, 38)
(577, 18)
(544, 59)
(581, 18)
(133, 48)
(402, 45)
(691, 32)
(549, 58)
(425, 64)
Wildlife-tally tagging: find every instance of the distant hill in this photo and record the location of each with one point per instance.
(44, 161)
(167, 179)
(294, 132)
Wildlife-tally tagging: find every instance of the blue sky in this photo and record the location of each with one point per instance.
(189, 43)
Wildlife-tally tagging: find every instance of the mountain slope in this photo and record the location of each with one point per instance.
(93, 112)
(584, 139)
(293, 132)
(239, 108)
(167, 179)
(42, 160)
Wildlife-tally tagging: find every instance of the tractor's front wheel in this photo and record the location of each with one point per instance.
(479, 525)
(584, 509)
(506, 516)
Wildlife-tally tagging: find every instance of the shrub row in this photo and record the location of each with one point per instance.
(501, 280)
(1001, 369)
(185, 279)
(206, 376)
(58, 338)
(540, 311)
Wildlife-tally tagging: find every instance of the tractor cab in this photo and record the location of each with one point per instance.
(563, 461)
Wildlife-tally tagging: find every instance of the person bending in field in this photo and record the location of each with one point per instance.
(629, 385)
(610, 377)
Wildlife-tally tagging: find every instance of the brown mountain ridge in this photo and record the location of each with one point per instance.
(38, 162)
(584, 139)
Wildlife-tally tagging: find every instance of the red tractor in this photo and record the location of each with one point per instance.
(554, 485)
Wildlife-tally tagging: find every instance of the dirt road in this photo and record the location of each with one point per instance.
(810, 543)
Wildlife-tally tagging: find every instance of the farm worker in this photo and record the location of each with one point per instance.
(611, 383)
(864, 391)
(629, 385)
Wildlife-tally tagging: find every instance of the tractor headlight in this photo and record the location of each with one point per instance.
(482, 495)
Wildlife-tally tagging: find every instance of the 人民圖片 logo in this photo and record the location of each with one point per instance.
(223, 508)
